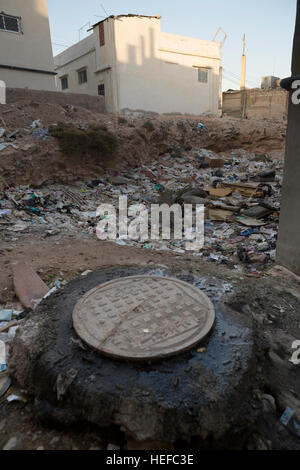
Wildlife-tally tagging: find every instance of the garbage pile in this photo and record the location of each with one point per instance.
(240, 191)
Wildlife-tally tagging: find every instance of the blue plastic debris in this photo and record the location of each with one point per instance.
(247, 233)
(6, 315)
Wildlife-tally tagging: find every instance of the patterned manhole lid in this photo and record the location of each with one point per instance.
(143, 317)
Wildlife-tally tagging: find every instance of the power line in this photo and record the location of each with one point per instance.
(59, 44)
(104, 10)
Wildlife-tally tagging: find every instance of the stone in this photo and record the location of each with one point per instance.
(265, 176)
(117, 180)
(11, 444)
(188, 199)
(269, 403)
(257, 212)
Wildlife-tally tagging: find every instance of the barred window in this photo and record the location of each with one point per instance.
(101, 89)
(9, 23)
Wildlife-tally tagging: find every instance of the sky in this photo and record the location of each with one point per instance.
(268, 26)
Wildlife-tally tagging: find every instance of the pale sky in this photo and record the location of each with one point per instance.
(267, 24)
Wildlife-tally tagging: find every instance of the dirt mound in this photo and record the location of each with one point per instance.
(31, 156)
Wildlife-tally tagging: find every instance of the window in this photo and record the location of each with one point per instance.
(64, 83)
(9, 23)
(82, 76)
(101, 34)
(101, 89)
(203, 74)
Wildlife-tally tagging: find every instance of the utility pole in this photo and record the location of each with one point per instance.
(243, 65)
(288, 246)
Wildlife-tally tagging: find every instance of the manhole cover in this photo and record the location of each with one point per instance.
(143, 317)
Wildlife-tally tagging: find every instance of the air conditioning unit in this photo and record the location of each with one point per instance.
(270, 82)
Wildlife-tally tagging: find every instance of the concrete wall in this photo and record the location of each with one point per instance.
(145, 69)
(288, 245)
(93, 103)
(30, 48)
(259, 104)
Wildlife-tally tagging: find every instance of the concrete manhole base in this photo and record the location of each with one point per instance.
(205, 391)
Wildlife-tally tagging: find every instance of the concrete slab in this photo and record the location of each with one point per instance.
(29, 287)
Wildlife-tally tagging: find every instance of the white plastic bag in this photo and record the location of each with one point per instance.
(2, 356)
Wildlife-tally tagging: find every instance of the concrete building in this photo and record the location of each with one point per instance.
(137, 67)
(26, 58)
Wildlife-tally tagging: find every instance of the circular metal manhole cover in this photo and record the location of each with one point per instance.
(143, 317)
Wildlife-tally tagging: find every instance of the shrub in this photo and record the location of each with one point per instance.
(96, 140)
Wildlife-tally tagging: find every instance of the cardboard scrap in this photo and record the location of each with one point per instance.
(29, 287)
(219, 192)
(245, 189)
(214, 162)
(219, 214)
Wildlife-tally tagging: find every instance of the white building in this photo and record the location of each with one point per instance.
(26, 58)
(137, 67)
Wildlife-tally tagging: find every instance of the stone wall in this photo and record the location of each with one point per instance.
(92, 103)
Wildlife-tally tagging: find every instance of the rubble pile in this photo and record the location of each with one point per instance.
(29, 155)
(240, 191)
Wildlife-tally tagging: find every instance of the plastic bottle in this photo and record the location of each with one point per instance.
(2, 356)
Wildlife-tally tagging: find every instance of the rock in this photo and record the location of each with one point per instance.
(265, 176)
(258, 442)
(261, 158)
(188, 199)
(64, 381)
(11, 444)
(117, 180)
(55, 440)
(257, 257)
(112, 447)
(268, 403)
(257, 212)
(199, 192)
